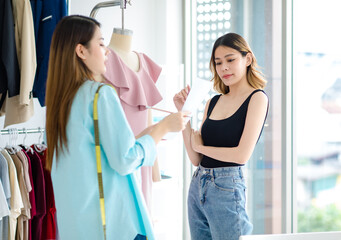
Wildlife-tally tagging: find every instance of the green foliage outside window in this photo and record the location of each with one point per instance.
(317, 219)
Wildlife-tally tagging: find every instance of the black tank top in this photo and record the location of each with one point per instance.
(224, 133)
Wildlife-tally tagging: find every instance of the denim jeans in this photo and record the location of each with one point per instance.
(216, 204)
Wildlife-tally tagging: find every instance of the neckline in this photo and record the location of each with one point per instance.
(256, 90)
(124, 64)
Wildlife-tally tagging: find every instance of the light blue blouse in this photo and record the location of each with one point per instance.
(74, 173)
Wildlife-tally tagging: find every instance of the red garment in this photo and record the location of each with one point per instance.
(49, 226)
(31, 196)
(39, 190)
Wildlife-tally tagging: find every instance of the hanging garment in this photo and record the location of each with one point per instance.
(136, 91)
(4, 176)
(16, 202)
(19, 108)
(24, 157)
(9, 67)
(4, 213)
(5, 195)
(49, 223)
(39, 194)
(18, 224)
(26, 50)
(22, 226)
(46, 15)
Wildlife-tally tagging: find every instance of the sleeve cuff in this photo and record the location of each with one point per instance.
(149, 147)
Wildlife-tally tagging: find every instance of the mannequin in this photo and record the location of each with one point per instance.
(120, 42)
(134, 74)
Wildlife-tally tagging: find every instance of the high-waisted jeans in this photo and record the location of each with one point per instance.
(216, 204)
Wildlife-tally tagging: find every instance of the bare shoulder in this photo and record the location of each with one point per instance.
(207, 104)
(208, 101)
(258, 104)
(259, 97)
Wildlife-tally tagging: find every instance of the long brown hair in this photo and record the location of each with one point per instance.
(66, 73)
(253, 75)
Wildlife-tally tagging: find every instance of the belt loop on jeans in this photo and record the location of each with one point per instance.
(196, 171)
(241, 172)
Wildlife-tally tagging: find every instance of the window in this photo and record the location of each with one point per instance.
(317, 82)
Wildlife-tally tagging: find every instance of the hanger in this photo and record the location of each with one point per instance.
(40, 146)
(13, 136)
(23, 145)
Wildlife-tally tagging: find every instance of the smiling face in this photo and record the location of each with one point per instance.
(231, 65)
(94, 54)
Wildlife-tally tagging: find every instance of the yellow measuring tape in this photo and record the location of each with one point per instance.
(98, 160)
(99, 164)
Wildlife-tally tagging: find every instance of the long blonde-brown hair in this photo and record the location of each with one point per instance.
(253, 75)
(66, 73)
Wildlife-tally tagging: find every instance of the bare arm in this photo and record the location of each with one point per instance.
(253, 124)
(174, 122)
(194, 156)
(179, 100)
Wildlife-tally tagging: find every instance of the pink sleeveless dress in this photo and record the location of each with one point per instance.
(136, 91)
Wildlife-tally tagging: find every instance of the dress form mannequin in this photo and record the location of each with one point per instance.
(120, 42)
(121, 45)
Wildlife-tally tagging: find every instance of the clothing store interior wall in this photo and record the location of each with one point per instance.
(294, 175)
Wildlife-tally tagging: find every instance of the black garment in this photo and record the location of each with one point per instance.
(9, 67)
(224, 133)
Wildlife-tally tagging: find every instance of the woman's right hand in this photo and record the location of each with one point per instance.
(180, 98)
(176, 122)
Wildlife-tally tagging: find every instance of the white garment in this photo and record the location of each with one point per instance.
(16, 199)
(4, 210)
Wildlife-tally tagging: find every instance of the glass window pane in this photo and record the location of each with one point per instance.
(317, 80)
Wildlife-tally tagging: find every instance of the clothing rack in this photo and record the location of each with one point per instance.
(21, 131)
(122, 3)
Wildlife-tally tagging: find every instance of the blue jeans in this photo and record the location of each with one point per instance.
(216, 204)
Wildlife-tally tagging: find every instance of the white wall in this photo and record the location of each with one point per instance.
(156, 24)
(38, 120)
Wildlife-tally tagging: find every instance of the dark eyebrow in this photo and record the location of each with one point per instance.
(228, 55)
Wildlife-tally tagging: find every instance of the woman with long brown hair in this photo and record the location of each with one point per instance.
(232, 124)
(77, 61)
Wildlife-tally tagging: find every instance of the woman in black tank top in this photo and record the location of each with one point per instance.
(231, 127)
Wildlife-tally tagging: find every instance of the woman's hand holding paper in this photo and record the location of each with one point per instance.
(179, 99)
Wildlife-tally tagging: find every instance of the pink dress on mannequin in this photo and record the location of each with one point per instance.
(136, 91)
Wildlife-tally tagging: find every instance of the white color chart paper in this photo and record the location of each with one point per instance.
(198, 92)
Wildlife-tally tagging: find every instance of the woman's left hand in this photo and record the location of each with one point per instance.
(196, 140)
